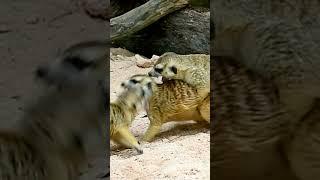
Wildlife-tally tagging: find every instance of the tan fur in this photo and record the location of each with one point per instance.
(193, 69)
(174, 100)
(122, 113)
(49, 143)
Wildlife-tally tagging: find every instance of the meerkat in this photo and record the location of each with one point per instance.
(193, 69)
(49, 142)
(173, 100)
(250, 122)
(123, 111)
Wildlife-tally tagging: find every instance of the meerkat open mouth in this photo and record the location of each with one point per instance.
(159, 79)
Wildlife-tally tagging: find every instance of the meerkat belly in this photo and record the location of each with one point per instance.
(191, 114)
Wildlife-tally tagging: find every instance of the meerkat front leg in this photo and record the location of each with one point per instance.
(154, 127)
(124, 137)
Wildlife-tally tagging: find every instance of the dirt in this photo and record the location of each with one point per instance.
(31, 33)
(181, 151)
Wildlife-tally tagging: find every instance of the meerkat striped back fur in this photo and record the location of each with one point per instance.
(249, 121)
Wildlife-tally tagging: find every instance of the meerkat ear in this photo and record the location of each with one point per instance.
(174, 69)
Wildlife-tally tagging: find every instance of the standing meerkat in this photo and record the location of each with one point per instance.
(123, 111)
(174, 100)
(193, 69)
(49, 142)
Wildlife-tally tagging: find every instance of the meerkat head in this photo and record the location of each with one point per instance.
(165, 66)
(77, 64)
(145, 82)
(142, 80)
(74, 91)
(135, 97)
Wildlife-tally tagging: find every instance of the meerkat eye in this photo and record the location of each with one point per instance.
(149, 85)
(78, 63)
(133, 81)
(158, 70)
(143, 93)
(174, 69)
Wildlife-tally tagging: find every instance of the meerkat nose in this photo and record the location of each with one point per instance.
(122, 84)
(149, 73)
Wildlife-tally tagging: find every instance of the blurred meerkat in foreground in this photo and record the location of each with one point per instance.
(49, 143)
(193, 69)
(174, 100)
(123, 111)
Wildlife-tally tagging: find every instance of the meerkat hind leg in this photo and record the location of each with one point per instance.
(126, 138)
(152, 131)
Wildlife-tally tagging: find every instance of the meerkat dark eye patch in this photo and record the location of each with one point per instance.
(78, 63)
(158, 70)
(133, 81)
(143, 93)
(174, 69)
(149, 85)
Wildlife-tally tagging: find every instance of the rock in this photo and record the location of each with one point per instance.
(143, 62)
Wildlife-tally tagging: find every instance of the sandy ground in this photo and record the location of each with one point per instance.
(181, 151)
